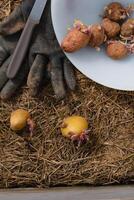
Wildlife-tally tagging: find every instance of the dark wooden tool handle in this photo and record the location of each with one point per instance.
(21, 49)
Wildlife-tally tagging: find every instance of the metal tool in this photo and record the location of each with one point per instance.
(23, 44)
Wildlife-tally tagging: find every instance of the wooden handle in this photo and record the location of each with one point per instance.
(21, 49)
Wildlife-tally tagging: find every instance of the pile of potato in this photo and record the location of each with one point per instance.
(116, 32)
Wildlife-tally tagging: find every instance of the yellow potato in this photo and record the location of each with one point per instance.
(18, 119)
(74, 126)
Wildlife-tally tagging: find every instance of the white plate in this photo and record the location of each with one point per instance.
(95, 65)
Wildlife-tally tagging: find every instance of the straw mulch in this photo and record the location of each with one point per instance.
(6, 6)
(51, 160)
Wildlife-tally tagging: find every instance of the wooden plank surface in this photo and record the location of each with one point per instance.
(78, 193)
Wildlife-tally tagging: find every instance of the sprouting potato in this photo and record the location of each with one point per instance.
(127, 28)
(112, 29)
(75, 128)
(77, 38)
(117, 50)
(20, 120)
(116, 12)
(97, 35)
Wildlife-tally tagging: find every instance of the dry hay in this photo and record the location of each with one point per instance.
(6, 6)
(52, 160)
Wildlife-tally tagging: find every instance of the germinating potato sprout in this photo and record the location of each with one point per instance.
(77, 38)
(112, 29)
(75, 128)
(20, 120)
(116, 50)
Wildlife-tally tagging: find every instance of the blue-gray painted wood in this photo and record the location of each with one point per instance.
(78, 193)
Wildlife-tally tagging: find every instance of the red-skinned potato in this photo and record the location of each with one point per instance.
(127, 28)
(97, 35)
(116, 12)
(117, 50)
(112, 29)
(78, 37)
